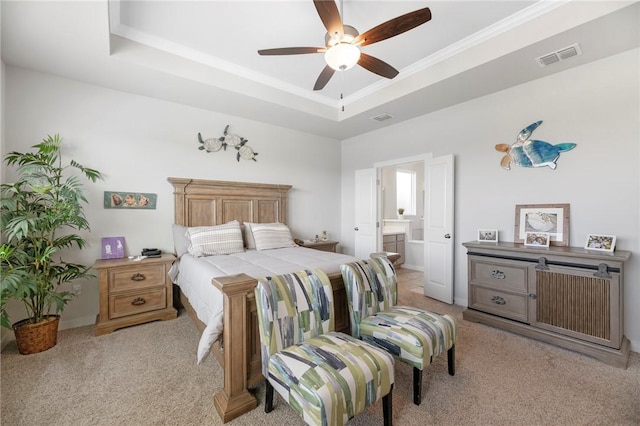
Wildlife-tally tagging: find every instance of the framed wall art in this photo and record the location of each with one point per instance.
(129, 200)
(113, 248)
(600, 242)
(550, 218)
(536, 239)
(487, 235)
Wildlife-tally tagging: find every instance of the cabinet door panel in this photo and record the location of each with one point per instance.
(594, 309)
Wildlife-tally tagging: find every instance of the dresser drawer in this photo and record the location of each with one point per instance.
(124, 304)
(498, 275)
(136, 277)
(500, 303)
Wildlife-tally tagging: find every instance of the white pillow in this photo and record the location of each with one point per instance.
(180, 239)
(213, 240)
(271, 236)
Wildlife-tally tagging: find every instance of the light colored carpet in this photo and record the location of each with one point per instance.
(147, 375)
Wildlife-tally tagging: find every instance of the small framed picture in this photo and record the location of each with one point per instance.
(536, 239)
(113, 248)
(600, 242)
(488, 235)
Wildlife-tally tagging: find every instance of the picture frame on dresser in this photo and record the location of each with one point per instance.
(600, 242)
(536, 239)
(550, 218)
(112, 248)
(487, 235)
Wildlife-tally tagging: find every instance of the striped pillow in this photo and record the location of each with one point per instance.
(271, 236)
(212, 240)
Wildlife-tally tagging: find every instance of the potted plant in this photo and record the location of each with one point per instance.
(400, 213)
(39, 213)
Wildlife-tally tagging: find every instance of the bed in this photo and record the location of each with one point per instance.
(199, 202)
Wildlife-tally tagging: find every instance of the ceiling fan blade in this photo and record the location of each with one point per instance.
(291, 50)
(324, 78)
(377, 66)
(394, 26)
(330, 16)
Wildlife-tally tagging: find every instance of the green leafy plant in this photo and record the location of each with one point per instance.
(400, 210)
(39, 213)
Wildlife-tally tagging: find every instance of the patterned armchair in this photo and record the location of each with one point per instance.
(327, 377)
(414, 336)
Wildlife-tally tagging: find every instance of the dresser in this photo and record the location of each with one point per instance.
(394, 243)
(133, 292)
(567, 296)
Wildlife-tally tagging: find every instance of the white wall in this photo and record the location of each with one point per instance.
(137, 142)
(595, 106)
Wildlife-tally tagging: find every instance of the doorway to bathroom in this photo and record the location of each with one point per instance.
(438, 220)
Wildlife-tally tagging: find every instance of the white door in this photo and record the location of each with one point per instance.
(439, 236)
(366, 213)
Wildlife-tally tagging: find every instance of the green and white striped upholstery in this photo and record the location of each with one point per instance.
(415, 336)
(326, 376)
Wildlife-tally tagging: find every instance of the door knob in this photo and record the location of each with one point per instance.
(356, 229)
(447, 236)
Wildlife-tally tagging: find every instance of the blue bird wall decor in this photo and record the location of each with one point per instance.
(531, 153)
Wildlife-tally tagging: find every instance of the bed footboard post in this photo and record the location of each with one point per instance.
(234, 399)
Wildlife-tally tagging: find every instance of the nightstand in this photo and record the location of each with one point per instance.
(322, 245)
(134, 292)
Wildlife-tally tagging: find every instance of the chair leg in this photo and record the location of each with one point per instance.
(417, 385)
(387, 404)
(268, 399)
(451, 360)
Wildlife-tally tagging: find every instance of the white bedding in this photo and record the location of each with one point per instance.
(194, 275)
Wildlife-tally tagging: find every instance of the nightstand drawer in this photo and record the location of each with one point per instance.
(136, 277)
(125, 304)
(499, 275)
(500, 303)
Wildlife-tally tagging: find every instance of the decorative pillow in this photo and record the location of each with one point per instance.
(271, 236)
(180, 239)
(212, 240)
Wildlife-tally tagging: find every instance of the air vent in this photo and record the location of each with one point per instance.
(382, 117)
(559, 55)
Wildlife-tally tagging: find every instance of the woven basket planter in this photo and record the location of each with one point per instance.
(34, 338)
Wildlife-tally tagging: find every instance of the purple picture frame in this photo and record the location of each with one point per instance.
(113, 248)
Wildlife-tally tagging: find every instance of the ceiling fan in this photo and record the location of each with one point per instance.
(343, 42)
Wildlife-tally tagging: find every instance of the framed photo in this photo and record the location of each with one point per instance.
(537, 239)
(600, 242)
(113, 248)
(488, 235)
(550, 218)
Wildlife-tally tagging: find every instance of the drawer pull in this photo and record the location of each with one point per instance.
(138, 301)
(138, 277)
(498, 300)
(532, 296)
(497, 274)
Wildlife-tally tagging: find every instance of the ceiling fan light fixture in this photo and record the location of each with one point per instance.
(342, 56)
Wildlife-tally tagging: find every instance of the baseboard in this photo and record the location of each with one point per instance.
(412, 267)
(7, 336)
(76, 322)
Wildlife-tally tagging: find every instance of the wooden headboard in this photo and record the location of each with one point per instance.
(200, 202)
